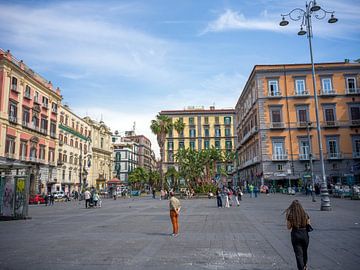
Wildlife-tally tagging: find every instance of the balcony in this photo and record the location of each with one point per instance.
(53, 135)
(12, 119)
(10, 155)
(334, 156)
(304, 93)
(277, 125)
(45, 105)
(280, 157)
(36, 100)
(34, 127)
(328, 92)
(302, 124)
(54, 110)
(304, 156)
(43, 130)
(33, 159)
(355, 123)
(23, 158)
(27, 95)
(275, 94)
(60, 163)
(356, 154)
(52, 163)
(352, 91)
(330, 124)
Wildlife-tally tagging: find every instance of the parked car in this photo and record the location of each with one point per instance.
(36, 199)
(59, 194)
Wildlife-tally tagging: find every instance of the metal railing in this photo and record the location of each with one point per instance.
(356, 154)
(279, 156)
(12, 119)
(275, 94)
(352, 91)
(302, 93)
(335, 155)
(277, 125)
(327, 92)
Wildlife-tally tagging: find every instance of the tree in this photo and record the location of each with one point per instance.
(138, 177)
(173, 174)
(154, 179)
(179, 125)
(160, 127)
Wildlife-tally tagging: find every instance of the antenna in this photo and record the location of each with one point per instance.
(134, 127)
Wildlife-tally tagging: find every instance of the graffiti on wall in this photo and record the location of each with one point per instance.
(7, 194)
(20, 196)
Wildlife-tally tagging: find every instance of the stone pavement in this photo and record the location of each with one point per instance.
(135, 234)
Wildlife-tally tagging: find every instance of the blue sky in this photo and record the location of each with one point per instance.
(127, 60)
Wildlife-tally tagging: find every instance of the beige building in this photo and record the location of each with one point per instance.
(101, 164)
(74, 152)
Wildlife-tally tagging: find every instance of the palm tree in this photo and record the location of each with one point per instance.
(173, 174)
(161, 126)
(179, 126)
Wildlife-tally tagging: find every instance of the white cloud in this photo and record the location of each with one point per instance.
(232, 20)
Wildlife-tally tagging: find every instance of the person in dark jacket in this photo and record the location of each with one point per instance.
(218, 198)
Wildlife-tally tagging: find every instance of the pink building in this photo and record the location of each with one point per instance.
(28, 121)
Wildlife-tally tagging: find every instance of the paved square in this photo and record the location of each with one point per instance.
(135, 234)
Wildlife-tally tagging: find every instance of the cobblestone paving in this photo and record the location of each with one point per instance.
(135, 234)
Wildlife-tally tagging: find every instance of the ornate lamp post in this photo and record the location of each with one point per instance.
(305, 16)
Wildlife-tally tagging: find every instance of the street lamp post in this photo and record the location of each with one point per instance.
(311, 162)
(299, 14)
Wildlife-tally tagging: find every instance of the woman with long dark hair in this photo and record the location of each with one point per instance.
(297, 220)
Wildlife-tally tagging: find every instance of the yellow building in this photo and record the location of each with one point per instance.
(276, 124)
(204, 128)
(102, 162)
(74, 152)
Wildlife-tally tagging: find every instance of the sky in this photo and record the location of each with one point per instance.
(125, 61)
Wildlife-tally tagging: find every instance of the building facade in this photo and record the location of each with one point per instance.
(101, 158)
(74, 151)
(28, 121)
(144, 151)
(126, 156)
(204, 128)
(276, 124)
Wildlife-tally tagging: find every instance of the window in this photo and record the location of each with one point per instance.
(181, 145)
(217, 120)
(206, 132)
(191, 120)
(170, 133)
(36, 97)
(102, 143)
(42, 152)
(355, 114)
(12, 112)
(65, 139)
(13, 83)
(227, 120)
(26, 116)
(332, 147)
(329, 115)
(71, 142)
(302, 115)
(52, 129)
(326, 85)
(72, 124)
(27, 92)
(44, 125)
(63, 175)
(206, 120)
(51, 154)
(227, 132)
(356, 146)
(217, 132)
(23, 150)
(304, 149)
(76, 144)
(276, 116)
(33, 152)
(45, 102)
(351, 85)
(217, 144)
(10, 145)
(170, 157)
(54, 108)
(278, 150)
(273, 88)
(228, 145)
(300, 87)
(69, 175)
(280, 167)
(192, 133)
(206, 144)
(71, 159)
(192, 145)
(170, 145)
(35, 121)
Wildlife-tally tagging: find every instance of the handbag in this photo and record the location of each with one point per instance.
(309, 228)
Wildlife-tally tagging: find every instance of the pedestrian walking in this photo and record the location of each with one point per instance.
(256, 190)
(96, 199)
(175, 206)
(87, 198)
(52, 199)
(154, 193)
(297, 221)
(227, 205)
(251, 190)
(236, 196)
(218, 198)
(240, 193)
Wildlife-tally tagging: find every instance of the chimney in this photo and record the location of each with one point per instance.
(57, 91)
(212, 108)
